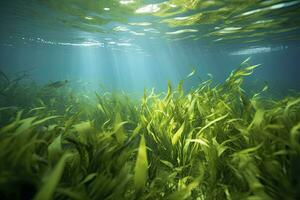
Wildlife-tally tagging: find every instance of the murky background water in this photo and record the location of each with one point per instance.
(132, 44)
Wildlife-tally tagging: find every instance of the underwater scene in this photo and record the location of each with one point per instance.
(150, 99)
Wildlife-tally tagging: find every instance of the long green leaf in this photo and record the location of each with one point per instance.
(48, 188)
(141, 166)
(178, 134)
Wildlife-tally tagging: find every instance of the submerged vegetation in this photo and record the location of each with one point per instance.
(213, 142)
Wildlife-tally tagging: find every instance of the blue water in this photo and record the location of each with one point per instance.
(126, 60)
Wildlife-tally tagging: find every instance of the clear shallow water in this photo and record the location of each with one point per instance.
(133, 44)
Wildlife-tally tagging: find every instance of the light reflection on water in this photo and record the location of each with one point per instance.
(216, 23)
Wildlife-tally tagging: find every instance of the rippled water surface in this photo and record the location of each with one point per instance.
(124, 22)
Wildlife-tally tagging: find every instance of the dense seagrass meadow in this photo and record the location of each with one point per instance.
(212, 142)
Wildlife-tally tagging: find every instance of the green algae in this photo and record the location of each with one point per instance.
(213, 142)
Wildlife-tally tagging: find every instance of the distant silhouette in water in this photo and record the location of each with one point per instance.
(57, 84)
